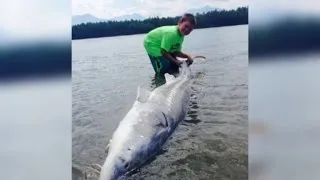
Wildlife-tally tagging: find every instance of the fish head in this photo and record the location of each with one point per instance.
(131, 146)
(119, 164)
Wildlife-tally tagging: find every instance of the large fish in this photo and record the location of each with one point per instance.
(147, 126)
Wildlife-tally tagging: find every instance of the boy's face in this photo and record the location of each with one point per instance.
(185, 28)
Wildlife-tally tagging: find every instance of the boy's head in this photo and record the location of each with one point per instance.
(186, 24)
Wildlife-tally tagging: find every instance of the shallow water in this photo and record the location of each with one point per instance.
(210, 144)
(284, 104)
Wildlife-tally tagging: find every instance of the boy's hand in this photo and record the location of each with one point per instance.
(189, 61)
(178, 63)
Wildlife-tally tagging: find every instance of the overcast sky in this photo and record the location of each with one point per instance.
(113, 8)
(34, 19)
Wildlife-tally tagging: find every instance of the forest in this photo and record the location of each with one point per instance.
(215, 18)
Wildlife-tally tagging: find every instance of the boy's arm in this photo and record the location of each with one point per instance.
(171, 58)
(183, 55)
(166, 43)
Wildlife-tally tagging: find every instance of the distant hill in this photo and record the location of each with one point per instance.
(204, 9)
(85, 18)
(79, 19)
(134, 16)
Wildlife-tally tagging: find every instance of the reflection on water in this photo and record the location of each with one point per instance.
(157, 81)
(192, 116)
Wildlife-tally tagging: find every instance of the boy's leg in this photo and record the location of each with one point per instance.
(173, 67)
(160, 64)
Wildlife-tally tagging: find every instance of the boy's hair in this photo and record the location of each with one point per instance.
(188, 17)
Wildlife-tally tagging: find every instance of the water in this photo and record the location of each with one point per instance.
(35, 123)
(284, 103)
(210, 144)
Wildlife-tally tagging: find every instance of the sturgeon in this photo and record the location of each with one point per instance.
(148, 125)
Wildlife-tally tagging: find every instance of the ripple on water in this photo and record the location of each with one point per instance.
(211, 165)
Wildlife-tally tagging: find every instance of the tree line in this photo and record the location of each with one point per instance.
(114, 28)
(285, 36)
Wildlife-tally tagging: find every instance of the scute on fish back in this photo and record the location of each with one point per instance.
(147, 126)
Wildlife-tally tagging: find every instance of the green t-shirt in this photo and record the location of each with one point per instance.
(165, 37)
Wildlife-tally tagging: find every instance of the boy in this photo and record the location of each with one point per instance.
(163, 45)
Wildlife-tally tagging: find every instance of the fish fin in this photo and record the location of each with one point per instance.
(143, 94)
(107, 148)
(166, 124)
(169, 77)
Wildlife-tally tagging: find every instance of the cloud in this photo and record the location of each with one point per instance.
(262, 11)
(34, 18)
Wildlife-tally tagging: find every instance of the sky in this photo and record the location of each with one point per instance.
(32, 19)
(264, 11)
(47, 18)
(114, 8)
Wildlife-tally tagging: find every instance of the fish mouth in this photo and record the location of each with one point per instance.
(142, 164)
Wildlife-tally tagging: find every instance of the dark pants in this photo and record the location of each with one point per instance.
(162, 65)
